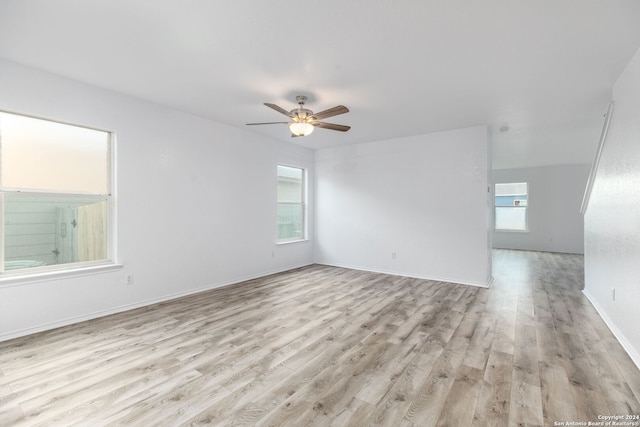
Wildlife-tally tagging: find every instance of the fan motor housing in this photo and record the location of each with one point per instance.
(302, 113)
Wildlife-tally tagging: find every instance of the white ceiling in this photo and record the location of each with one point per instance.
(545, 68)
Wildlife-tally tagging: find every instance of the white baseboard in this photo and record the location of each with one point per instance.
(624, 342)
(94, 315)
(414, 276)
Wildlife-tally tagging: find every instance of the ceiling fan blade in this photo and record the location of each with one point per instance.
(269, 123)
(279, 109)
(340, 109)
(332, 126)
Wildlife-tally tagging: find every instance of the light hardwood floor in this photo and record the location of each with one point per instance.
(329, 346)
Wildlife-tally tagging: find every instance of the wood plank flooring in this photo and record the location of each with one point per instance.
(325, 346)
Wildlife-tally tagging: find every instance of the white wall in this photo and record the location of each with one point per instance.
(554, 218)
(196, 203)
(423, 198)
(612, 220)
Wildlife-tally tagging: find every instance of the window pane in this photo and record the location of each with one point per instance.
(290, 184)
(516, 200)
(43, 155)
(510, 189)
(49, 230)
(511, 218)
(290, 221)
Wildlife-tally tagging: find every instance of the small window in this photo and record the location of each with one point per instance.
(511, 201)
(291, 203)
(55, 195)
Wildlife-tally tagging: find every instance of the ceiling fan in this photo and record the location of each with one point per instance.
(304, 120)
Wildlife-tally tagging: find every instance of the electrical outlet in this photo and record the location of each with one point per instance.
(393, 255)
(613, 294)
(129, 279)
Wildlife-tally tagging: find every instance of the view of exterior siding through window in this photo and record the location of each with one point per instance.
(291, 207)
(511, 206)
(55, 194)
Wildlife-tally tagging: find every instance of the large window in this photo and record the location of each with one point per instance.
(291, 203)
(55, 195)
(511, 206)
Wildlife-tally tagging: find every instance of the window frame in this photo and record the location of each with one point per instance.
(526, 209)
(302, 203)
(69, 269)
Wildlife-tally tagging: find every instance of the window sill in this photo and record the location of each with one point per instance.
(18, 279)
(288, 242)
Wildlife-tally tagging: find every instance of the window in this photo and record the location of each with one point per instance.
(291, 203)
(511, 206)
(55, 195)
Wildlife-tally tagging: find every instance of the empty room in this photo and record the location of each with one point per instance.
(337, 213)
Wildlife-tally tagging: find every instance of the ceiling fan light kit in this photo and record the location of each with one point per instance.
(301, 128)
(304, 121)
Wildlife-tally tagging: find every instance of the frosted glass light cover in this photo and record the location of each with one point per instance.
(301, 129)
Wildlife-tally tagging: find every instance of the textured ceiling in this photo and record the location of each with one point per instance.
(545, 68)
